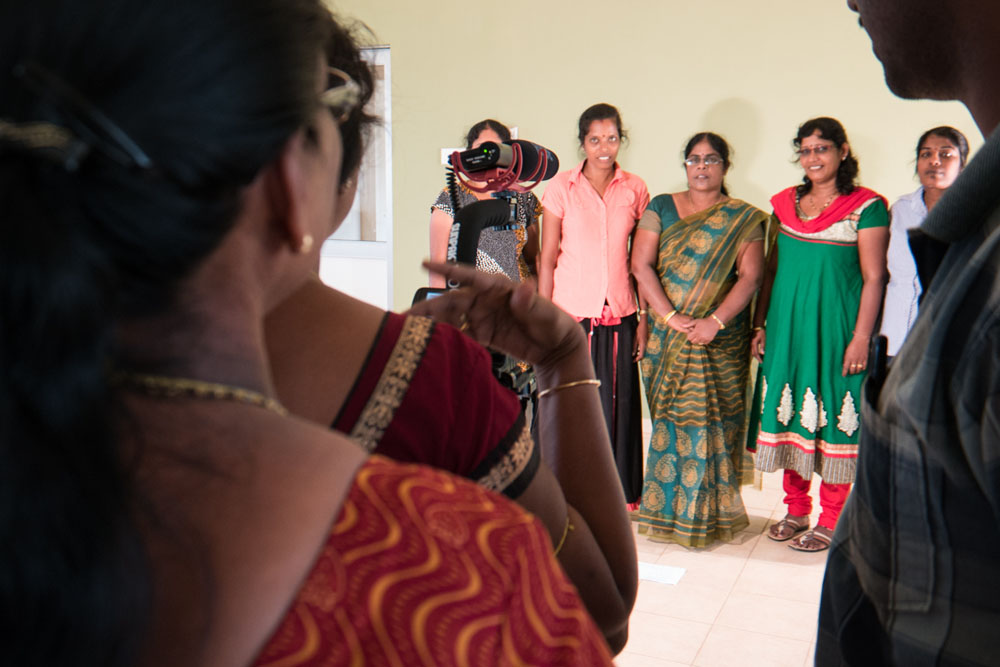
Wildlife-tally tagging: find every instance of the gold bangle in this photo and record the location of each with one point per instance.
(669, 315)
(721, 325)
(562, 540)
(642, 311)
(567, 385)
(758, 328)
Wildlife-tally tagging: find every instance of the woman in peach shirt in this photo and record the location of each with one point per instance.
(589, 214)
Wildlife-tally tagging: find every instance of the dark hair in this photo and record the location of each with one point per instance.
(600, 111)
(489, 124)
(951, 134)
(831, 130)
(718, 144)
(342, 52)
(209, 91)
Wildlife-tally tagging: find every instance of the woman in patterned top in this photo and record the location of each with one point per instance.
(510, 251)
(821, 297)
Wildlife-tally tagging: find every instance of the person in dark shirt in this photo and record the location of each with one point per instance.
(911, 575)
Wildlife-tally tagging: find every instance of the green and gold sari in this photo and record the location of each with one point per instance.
(697, 394)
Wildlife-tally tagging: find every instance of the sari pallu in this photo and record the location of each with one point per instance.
(421, 568)
(697, 393)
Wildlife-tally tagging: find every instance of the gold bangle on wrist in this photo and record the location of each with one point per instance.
(669, 315)
(562, 540)
(758, 328)
(567, 385)
(721, 325)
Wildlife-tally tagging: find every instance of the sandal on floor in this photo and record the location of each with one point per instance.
(814, 540)
(778, 532)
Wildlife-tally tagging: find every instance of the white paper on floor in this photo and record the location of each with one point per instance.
(661, 574)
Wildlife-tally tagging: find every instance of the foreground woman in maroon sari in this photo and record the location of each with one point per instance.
(161, 507)
(422, 392)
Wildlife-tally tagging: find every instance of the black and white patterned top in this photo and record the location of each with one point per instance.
(499, 250)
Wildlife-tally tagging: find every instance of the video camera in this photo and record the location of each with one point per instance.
(504, 170)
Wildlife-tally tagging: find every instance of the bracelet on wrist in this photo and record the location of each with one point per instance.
(669, 315)
(721, 325)
(567, 385)
(758, 328)
(562, 540)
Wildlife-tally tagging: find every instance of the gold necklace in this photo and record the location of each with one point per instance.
(828, 201)
(802, 212)
(173, 387)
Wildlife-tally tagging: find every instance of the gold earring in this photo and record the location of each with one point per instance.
(306, 244)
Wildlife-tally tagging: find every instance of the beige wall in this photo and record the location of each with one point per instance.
(751, 71)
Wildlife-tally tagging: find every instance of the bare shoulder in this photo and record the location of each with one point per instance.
(317, 343)
(252, 515)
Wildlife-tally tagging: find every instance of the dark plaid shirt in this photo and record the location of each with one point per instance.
(913, 576)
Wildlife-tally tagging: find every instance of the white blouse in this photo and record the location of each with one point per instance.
(903, 292)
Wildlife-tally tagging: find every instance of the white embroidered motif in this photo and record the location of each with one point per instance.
(763, 395)
(785, 408)
(848, 419)
(809, 415)
(822, 415)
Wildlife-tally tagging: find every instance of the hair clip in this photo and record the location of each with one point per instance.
(48, 140)
(89, 125)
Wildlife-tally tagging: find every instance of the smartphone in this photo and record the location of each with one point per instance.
(877, 358)
(425, 293)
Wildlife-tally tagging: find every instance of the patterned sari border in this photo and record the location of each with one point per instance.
(512, 464)
(394, 382)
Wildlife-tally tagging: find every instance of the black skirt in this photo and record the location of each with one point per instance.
(611, 351)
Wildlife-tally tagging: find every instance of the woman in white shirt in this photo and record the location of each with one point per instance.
(941, 155)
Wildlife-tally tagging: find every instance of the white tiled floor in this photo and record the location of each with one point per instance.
(746, 603)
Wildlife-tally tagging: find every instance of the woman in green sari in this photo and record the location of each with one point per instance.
(698, 257)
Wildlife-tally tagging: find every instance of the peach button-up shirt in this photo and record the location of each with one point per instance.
(592, 266)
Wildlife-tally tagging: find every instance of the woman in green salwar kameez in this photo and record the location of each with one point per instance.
(698, 258)
(819, 307)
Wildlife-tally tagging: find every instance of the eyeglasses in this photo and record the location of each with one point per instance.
(709, 160)
(942, 154)
(341, 95)
(822, 149)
